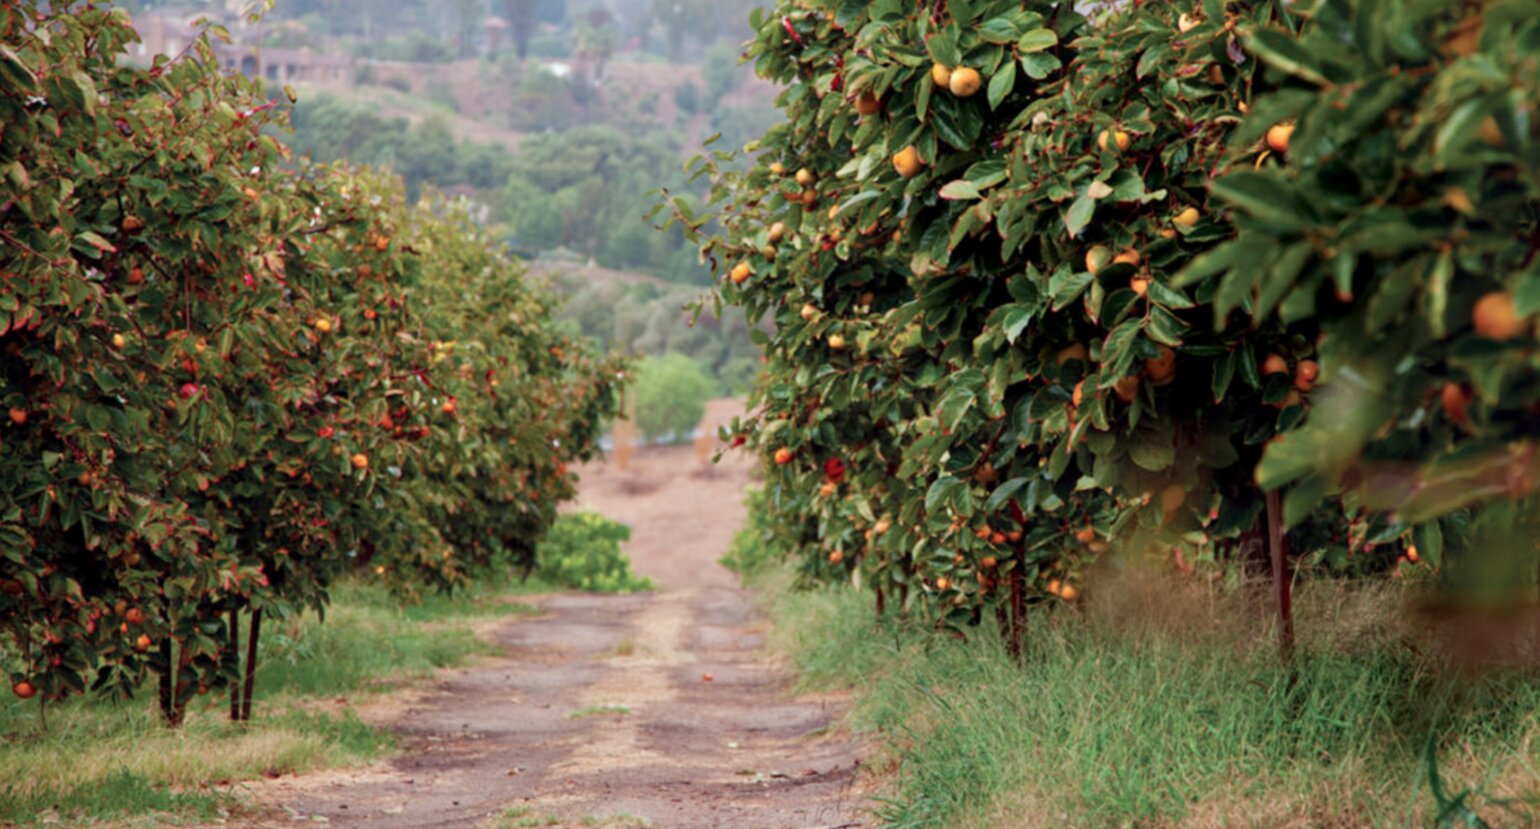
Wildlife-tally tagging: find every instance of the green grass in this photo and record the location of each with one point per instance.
(1189, 719)
(600, 711)
(100, 759)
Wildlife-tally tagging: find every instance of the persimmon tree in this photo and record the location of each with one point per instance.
(1030, 290)
(225, 375)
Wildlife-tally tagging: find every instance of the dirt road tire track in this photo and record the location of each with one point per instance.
(600, 708)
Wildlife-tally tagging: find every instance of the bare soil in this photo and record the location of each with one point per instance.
(659, 709)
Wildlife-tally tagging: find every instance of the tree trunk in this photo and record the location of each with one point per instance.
(881, 601)
(235, 648)
(251, 663)
(168, 707)
(1283, 587)
(1012, 616)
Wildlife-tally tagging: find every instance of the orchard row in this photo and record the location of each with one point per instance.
(232, 378)
(1044, 286)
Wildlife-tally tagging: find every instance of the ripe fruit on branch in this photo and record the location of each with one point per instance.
(136, 276)
(837, 342)
(907, 162)
(1076, 351)
(777, 232)
(941, 75)
(1456, 402)
(1274, 364)
(1411, 554)
(1496, 317)
(834, 469)
(1161, 369)
(1305, 374)
(868, 104)
(1171, 499)
(1077, 396)
(1279, 135)
(809, 311)
(323, 325)
(143, 643)
(450, 406)
(783, 456)
(1187, 218)
(836, 556)
(740, 273)
(1068, 593)
(805, 177)
(325, 432)
(24, 690)
(1110, 138)
(188, 391)
(18, 415)
(1128, 257)
(1186, 23)
(988, 562)
(360, 461)
(965, 82)
(1097, 258)
(777, 168)
(134, 616)
(1140, 285)
(943, 583)
(1127, 388)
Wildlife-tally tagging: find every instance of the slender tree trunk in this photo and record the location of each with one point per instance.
(168, 708)
(235, 648)
(1283, 586)
(882, 601)
(1014, 616)
(251, 663)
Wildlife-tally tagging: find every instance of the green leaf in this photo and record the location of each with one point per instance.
(1286, 52)
(959, 190)
(1429, 539)
(1017, 318)
(1118, 350)
(93, 244)
(1002, 493)
(1001, 84)
(1264, 197)
(1040, 65)
(1079, 215)
(1152, 450)
(15, 72)
(942, 47)
(1065, 286)
(1036, 40)
(998, 30)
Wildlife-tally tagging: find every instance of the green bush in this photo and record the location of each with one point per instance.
(582, 551)
(670, 396)
(753, 548)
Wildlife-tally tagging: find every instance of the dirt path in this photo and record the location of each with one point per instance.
(600, 713)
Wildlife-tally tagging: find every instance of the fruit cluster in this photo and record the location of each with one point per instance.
(230, 378)
(1111, 298)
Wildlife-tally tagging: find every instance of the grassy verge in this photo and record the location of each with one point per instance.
(1171, 708)
(114, 760)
